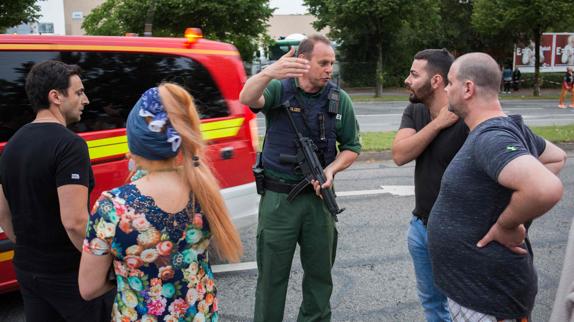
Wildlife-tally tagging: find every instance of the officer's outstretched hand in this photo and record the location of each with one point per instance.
(329, 177)
(511, 238)
(287, 67)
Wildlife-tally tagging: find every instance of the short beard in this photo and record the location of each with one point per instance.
(423, 94)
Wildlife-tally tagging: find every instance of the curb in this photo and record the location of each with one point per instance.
(387, 155)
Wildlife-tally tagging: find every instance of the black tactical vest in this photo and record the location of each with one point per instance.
(313, 120)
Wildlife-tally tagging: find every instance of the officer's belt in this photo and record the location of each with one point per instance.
(282, 187)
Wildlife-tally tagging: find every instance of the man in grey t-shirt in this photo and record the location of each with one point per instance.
(503, 177)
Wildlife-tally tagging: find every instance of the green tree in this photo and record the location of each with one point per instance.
(521, 19)
(239, 22)
(13, 13)
(375, 31)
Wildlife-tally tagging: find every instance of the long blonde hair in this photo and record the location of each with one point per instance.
(183, 116)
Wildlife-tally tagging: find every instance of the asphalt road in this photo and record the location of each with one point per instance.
(386, 116)
(373, 274)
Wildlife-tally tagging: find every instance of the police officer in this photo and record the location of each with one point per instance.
(302, 85)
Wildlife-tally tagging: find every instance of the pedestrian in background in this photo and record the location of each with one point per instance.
(567, 87)
(431, 135)
(303, 83)
(516, 75)
(156, 230)
(46, 178)
(507, 79)
(503, 177)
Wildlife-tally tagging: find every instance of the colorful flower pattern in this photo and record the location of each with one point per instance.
(160, 259)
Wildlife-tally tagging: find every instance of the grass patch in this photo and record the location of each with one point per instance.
(381, 141)
(556, 134)
(377, 141)
(523, 96)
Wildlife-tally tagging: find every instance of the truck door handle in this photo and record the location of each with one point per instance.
(226, 153)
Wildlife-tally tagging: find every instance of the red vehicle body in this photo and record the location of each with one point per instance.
(116, 71)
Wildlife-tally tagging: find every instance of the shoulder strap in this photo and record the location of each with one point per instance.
(288, 90)
(334, 98)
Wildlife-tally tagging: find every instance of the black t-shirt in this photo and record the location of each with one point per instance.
(491, 280)
(37, 160)
(430, 164)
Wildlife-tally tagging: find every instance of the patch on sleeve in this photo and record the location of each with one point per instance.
(339, 116)
(511, 148)
(75, 176)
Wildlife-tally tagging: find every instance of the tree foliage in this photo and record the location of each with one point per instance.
(385, 34)
(240, 22)
(368, 30)
(13, 13)
(519, 19)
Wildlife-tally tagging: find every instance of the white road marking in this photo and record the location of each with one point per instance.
(393, 190)
(246, 266)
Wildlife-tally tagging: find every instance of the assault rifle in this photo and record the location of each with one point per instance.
(307, 161)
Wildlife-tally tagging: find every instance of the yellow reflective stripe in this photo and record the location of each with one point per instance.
(108, 147)
(107, 141)
(218, 134)
(221, 124)
(6, 256)
(165, 50)
(108, 150)
(220, 129)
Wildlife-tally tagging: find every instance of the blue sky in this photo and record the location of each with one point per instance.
(285, 7)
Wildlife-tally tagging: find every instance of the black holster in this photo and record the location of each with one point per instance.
(258, 174)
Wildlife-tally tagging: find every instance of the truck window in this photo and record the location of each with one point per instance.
(114, 81)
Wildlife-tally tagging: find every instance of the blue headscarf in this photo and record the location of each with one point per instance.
(150, 140)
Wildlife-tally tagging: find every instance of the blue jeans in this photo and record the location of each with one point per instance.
(433, 301)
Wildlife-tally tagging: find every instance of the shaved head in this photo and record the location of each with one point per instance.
(481, 69)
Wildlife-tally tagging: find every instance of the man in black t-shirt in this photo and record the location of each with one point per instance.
(432, 135)
(502, 177)
(45, 178)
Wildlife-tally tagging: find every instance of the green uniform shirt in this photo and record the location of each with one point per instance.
(347, 127)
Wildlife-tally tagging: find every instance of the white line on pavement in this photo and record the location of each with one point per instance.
(246, 266)
(393, 190)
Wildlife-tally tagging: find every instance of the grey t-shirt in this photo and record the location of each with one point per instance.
(491, 280)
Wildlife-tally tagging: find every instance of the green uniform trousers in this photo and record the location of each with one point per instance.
(282, 225)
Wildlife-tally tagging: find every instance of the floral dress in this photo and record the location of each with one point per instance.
(160, 259)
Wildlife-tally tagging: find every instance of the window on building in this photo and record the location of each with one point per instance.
(45, 28)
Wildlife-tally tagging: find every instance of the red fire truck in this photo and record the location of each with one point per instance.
(116, 71)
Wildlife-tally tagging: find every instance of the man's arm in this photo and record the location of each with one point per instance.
(534, 194)
(6, 217)
(409, 144)
(286, 67)
(73, 200)
(553, 157)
